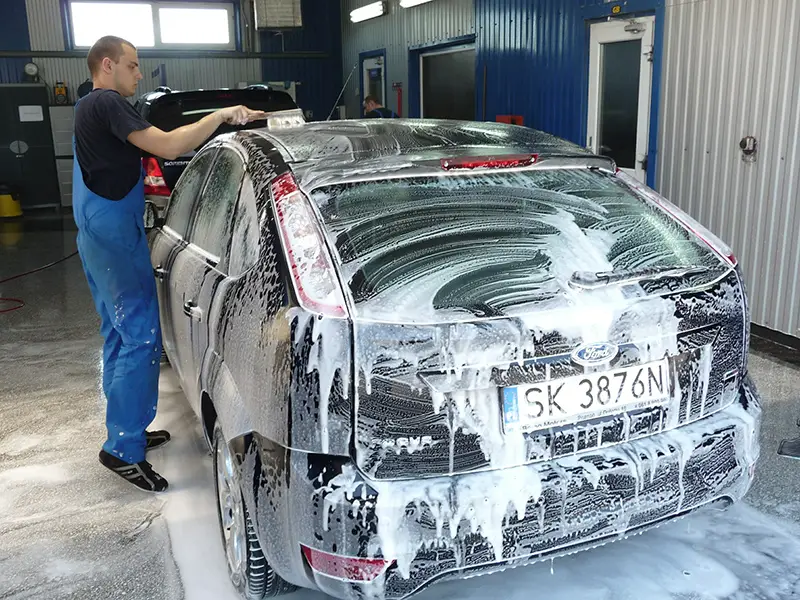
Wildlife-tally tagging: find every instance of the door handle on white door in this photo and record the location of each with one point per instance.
(190, 309)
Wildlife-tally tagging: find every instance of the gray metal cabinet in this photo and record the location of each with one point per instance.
(27, 155)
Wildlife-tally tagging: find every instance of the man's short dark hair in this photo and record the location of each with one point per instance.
(372, 99)
(109, 46)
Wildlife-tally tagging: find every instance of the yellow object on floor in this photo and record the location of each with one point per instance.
(10, 233)
(9, 206)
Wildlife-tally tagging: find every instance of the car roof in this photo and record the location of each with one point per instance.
(262, 92)
(325, 152)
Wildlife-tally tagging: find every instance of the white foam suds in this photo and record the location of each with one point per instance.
(329, 355)
(479, 502)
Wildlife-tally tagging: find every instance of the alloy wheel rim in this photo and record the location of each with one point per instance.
(231, 513)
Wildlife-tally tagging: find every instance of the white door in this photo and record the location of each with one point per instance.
(374, 75)
(620, 87)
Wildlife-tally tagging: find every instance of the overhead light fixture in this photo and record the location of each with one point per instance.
(410, 3)
(369, 11)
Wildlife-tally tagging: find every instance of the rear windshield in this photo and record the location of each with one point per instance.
(170, 112)
(491, 244)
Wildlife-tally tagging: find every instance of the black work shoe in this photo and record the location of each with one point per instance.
(156, 439)
(790, 448)
(139, 474)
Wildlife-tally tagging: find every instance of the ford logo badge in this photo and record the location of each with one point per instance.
(592, 355)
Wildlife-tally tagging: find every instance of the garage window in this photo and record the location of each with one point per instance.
(154, 24)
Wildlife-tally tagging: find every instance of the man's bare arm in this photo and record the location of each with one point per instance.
(172, 144)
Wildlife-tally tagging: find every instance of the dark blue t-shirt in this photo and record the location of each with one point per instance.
(110, 164)
(380, 113)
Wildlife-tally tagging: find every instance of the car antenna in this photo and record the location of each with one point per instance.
(335, 104)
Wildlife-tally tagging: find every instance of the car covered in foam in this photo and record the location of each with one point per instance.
(422, 350)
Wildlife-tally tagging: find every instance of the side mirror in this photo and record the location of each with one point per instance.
(152, 218)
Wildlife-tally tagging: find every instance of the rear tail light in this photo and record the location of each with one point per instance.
(154, 183)
(711, 240)
(312, 267)
(345, 568)
(489, 162)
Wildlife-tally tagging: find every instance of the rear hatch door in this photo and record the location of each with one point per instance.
(508, 317)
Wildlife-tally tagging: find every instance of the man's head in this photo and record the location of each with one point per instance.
(114, 65)
(371, 103)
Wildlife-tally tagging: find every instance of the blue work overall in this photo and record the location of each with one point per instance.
(116, 259)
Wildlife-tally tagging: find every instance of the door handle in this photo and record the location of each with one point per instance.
(160, 273)
(190, 309)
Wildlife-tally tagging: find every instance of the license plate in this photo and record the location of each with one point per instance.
(573, 399)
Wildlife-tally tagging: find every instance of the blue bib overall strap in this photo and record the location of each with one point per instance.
(116, 260)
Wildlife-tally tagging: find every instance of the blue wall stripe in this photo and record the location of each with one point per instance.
(14, 26)
(13, 36)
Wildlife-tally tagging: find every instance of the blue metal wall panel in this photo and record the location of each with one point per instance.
(533, 54)
(13, 36)
(11, 69)
(321, 78)
(535, 57)
(14, 26)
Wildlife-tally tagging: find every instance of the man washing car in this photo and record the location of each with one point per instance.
(108, 205)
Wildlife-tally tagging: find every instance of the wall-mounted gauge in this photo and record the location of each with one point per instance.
(31, 72)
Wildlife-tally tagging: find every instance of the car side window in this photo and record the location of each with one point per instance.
(211, 228)
(245, 242)
(187, 190)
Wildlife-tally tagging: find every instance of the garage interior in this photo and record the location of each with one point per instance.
(696, 99)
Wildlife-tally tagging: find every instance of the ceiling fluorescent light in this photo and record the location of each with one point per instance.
(410, 3)
(370, 11)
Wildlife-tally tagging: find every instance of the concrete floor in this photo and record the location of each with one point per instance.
(68, 529)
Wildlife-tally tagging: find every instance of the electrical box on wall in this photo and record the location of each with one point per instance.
(277, 14)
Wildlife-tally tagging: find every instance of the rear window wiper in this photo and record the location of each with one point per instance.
(587, 280)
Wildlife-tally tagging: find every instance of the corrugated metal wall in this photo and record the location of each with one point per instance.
(732, 69)
(47, 34)
(422, 25)
(44, 24)
(533, 52)
(182, 73)
(320, 78)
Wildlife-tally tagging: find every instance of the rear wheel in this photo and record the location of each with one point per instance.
(248, 568)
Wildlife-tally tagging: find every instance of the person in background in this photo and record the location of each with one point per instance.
(374, 110)
(108, 206)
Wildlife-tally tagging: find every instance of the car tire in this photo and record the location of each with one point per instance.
(248, 568)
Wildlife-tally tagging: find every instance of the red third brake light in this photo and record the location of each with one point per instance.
(346, 568)
(489, 162)
(154, 183)
(312, 268)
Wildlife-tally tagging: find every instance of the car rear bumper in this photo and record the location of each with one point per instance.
(324, 504)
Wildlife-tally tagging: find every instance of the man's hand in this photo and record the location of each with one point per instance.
(174, 143)
(239, 115)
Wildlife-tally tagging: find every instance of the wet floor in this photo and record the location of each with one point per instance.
(69, 529)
